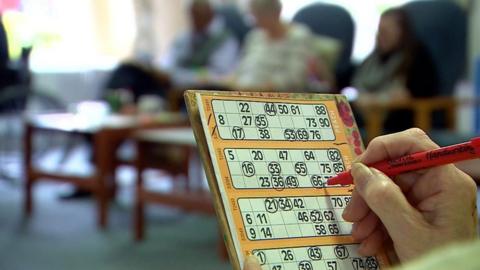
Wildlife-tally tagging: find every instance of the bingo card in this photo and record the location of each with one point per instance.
(268, 157)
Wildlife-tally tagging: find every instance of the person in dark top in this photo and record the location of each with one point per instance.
(7, 75)
(399, 68)
(3, 46)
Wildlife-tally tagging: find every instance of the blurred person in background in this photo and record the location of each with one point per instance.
(279, 56)
(205, 52)
(399, 68)
(7, 75)
(197, 59)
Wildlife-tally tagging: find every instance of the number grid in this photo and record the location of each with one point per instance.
(293, 217)
(299, 168)
(284, 214)
(245, 120)
(331, 257)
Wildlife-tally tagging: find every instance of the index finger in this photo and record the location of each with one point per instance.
(396, 145)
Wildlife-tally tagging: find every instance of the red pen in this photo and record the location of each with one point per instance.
(417, 161)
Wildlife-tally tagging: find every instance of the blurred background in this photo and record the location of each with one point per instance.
(98, 164)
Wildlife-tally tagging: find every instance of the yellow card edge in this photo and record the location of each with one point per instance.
(221, 188)
(195, 120)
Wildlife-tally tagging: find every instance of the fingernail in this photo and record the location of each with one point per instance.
(252, 261)
(346, 211)
(361, 249)
(354, 227)
(361, 174)
(354, 232)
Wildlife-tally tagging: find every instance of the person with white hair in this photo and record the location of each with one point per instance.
(278, 56)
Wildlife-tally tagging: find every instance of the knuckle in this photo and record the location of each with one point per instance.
(377, 141)
(421, 138)
(459, 181)
(377, 144)
(469, 185)
(416, 132)
(381, 192)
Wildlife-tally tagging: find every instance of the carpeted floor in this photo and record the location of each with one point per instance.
(63, 235)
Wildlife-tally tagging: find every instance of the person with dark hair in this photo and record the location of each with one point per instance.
(400, 67)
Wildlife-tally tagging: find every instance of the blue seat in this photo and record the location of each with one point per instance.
(442, 27)
(335, 22)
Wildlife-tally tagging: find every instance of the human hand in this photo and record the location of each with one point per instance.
(251, 263)
(417, 211)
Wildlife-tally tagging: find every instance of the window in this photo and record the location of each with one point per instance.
(71, 34)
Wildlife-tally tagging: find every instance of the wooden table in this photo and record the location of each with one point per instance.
(107, 134)
(192, 197)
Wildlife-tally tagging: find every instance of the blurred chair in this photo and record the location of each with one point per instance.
(335, 22)
(173, 150)
(14, 80)
(16, 95)
(446, 39)
(442, 27)
(235, 21)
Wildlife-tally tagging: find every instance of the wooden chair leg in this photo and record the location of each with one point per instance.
(186, 168)
(373, 125)
(222, 249)
(102, 152)
(112, 186)
(28, 206)
(139, 214)
(27, 163)
(102, 201)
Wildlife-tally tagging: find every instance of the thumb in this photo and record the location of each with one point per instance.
(386, 200)
(251, 263)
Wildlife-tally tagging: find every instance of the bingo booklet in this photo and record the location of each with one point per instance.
(267, 157)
